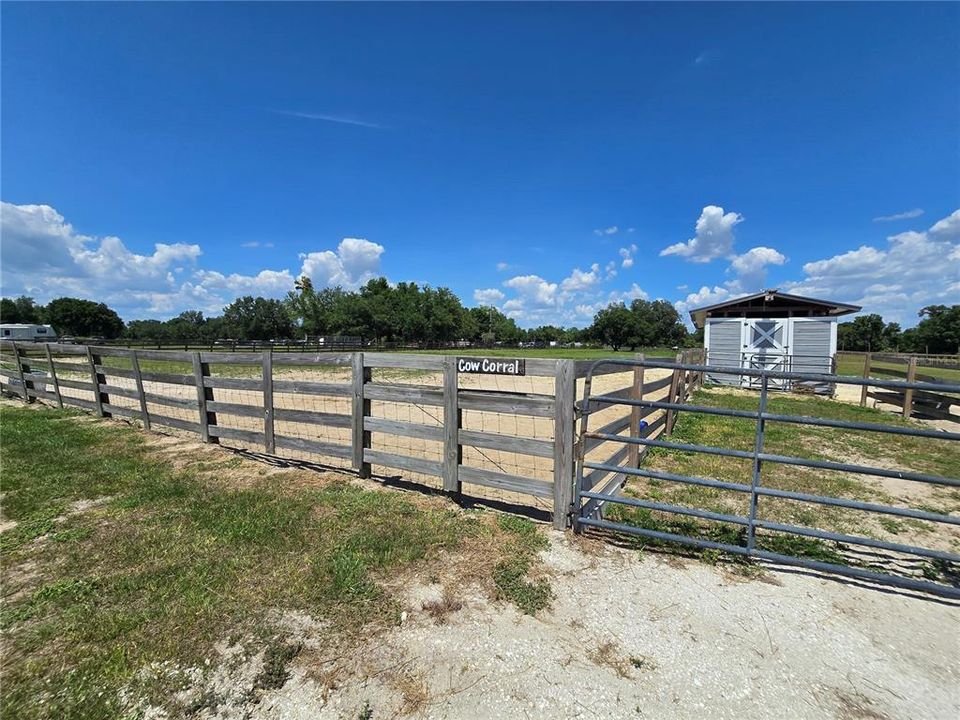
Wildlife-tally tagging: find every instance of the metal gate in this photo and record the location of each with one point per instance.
(589, 505)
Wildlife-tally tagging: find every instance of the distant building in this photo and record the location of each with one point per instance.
(23, 331)
(770, 330)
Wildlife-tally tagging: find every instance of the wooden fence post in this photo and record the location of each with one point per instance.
(141, 395)
(269, 442)
(361, 410)
(866, 374)
(53, 375)
(201, 370)
(908, 395)
(636, 413)
(673, 397)
(23, 381)
(452, 417)
(565, 390)
(98, 379)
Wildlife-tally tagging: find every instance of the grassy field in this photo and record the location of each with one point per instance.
(939, 457)
(555, 353)
(122, 560)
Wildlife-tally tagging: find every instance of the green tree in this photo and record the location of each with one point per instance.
(657, 323)
(84, 318)
(22, 310)
(614, 325)
(867, 333)
(250, 318)
(147, 330)
(493, 326)
(938, 331)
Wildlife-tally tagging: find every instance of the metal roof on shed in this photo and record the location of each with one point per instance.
(772, 301)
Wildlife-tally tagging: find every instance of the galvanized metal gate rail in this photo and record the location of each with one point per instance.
(588, 504)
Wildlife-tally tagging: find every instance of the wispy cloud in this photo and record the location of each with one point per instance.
(612, 230)
(916, 212)
(255, 244)
(326, 117)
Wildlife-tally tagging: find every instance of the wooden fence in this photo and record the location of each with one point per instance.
(178, 389)
(912, 403)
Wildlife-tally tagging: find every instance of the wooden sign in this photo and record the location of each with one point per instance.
(491, 366)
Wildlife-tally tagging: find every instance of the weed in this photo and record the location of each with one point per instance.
(413, 690)
(36, 525)
(276, 659)
(440, 609)
(642, 663)
(510, 578)
(75, 534)
(891, 526)
(608, 654)
(711, 557)
(366, 712)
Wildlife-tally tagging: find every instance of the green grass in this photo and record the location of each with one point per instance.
(172, 561)
(553, 353)
(510, 574)
(939, 457)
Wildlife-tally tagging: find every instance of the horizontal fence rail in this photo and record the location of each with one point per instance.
(590, 501)
(929, 402)
(242, 396)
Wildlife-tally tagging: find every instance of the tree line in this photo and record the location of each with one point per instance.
(409, 313)
(937, 332)
(378, 311)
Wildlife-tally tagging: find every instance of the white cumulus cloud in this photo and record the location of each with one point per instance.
(915, 269)
(42, 255)
(488, 296)
(751, 267)
(713, 239)
(580, 280)
(533, 291)
(353, 263)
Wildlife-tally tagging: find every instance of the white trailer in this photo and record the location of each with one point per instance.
(27, 332)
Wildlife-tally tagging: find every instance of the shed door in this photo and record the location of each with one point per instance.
(766, 347)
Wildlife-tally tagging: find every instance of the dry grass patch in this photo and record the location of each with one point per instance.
(443, 607)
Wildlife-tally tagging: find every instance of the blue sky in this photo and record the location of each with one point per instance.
(544, 158)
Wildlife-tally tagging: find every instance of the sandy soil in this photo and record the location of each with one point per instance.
(632, 636)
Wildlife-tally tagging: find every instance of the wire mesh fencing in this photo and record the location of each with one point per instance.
(417, 418)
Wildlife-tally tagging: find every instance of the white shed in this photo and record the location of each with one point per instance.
(770, 330)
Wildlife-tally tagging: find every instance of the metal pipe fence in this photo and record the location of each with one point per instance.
(590, 506)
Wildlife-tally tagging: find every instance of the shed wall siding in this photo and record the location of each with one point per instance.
(723, 342)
